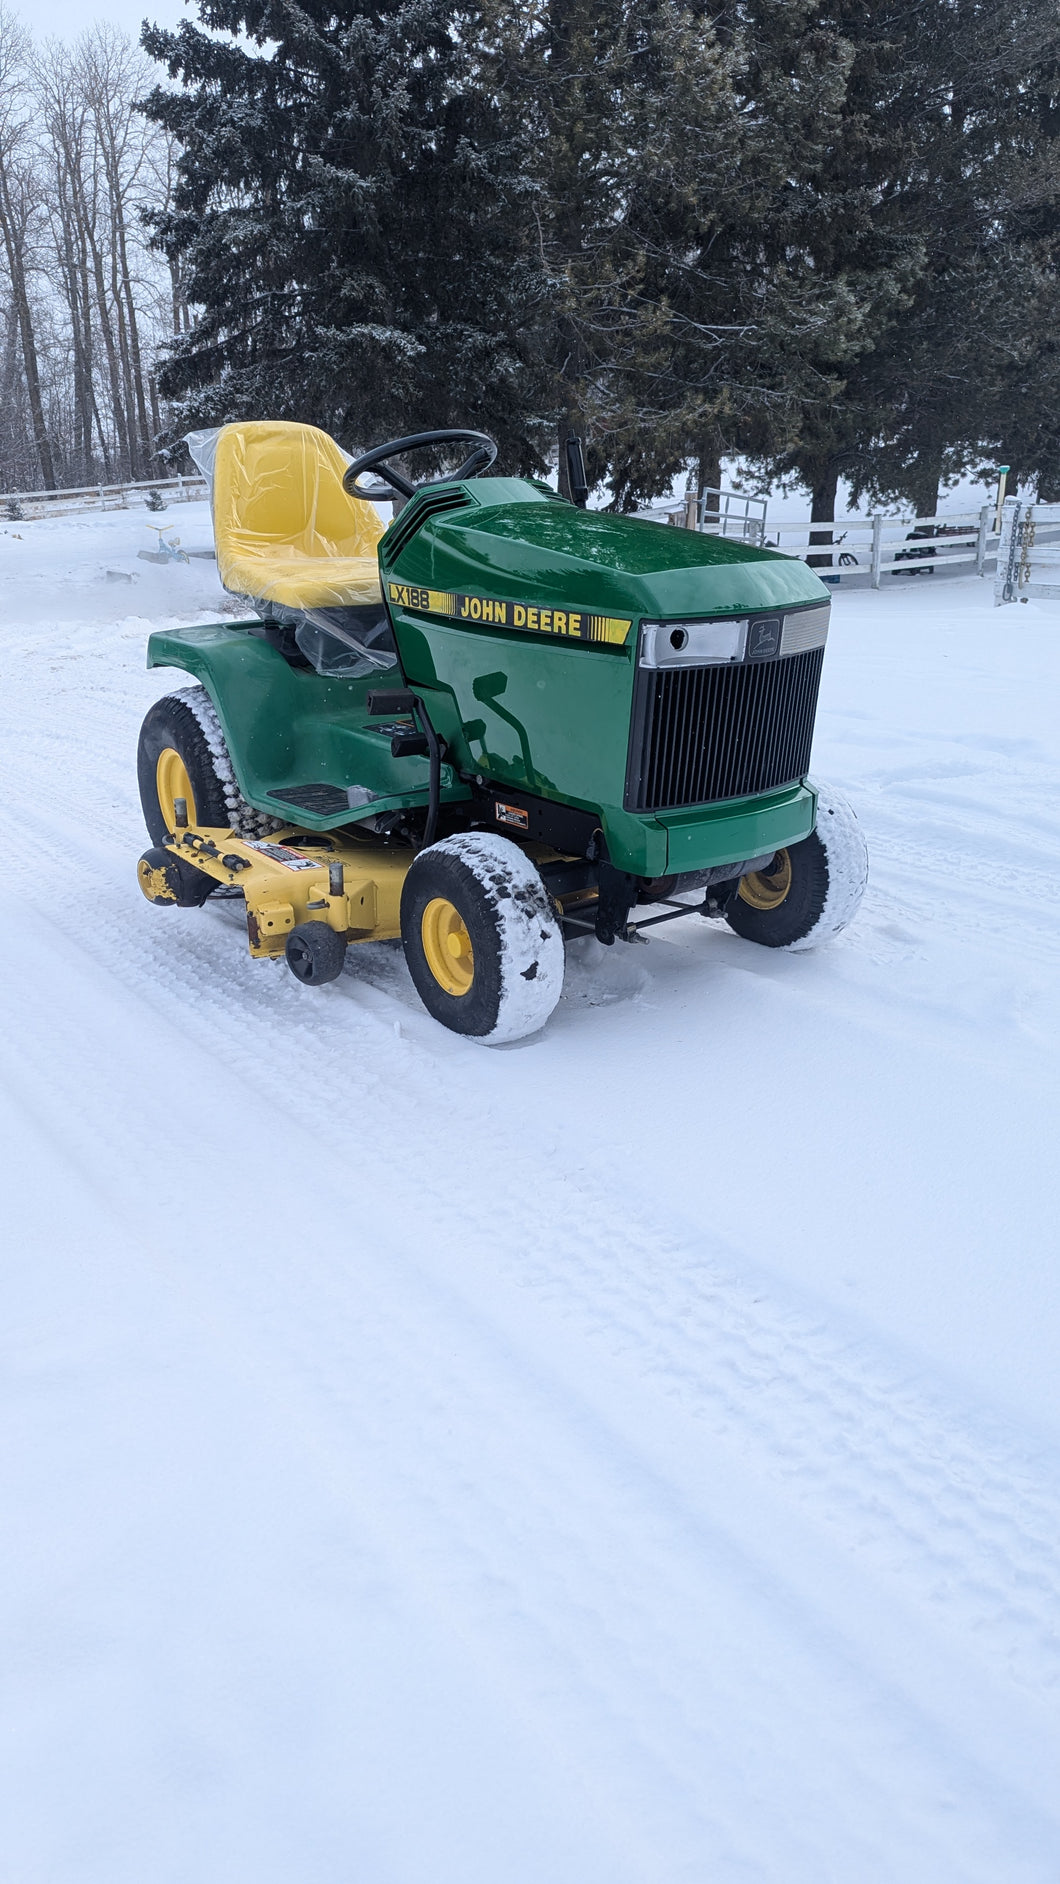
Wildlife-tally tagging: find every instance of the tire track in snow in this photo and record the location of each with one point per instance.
(969, 1526)
(638, 1674)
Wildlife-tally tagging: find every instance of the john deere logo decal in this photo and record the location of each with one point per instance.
(570, 624)
(763, 638)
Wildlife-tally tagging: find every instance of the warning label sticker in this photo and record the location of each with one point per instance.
(288, 858)
(511, 814)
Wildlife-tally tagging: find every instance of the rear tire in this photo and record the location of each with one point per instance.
(812, 890)
(182, 753)
(481, 939)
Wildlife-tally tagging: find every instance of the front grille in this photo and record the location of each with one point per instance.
(705, 733)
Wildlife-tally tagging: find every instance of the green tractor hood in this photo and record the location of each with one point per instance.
(514, 540)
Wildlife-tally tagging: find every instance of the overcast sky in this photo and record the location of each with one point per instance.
(67, 18)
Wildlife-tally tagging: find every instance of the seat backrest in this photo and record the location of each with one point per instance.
(278, 485)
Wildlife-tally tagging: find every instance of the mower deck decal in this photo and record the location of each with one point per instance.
(281, 855)
(572, 625)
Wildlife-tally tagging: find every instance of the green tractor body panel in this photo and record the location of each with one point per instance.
(517, 621)
(291, 730)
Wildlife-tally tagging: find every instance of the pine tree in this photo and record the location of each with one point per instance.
(681, 200)
(812, 232)
(642, 130)
(1019, 358)
(751, 322)
(855, 227)
(354, 218)
(940, 169)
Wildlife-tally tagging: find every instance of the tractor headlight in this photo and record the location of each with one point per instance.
(746, 638)
(692, 643)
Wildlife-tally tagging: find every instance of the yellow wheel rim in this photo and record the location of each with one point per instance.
(447, 946)
(767, 889)
(172, 782)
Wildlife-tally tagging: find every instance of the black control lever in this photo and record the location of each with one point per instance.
(413, 745)
(381, 705)
(409, 746)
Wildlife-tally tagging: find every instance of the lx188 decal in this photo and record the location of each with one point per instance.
(532, 618)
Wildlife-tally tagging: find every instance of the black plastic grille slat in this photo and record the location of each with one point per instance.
(710, 733)
(415, 515)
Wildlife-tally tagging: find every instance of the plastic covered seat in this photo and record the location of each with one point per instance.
(285, 531)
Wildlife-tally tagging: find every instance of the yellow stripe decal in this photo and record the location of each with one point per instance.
(570, 624)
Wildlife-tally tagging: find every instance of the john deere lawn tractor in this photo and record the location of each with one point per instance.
(502, 723)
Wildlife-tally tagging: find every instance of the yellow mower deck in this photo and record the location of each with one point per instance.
(290, 878)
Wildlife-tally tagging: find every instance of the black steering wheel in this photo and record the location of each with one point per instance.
(478, 460)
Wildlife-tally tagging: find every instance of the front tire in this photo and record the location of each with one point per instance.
(481, 939)
(812, 889)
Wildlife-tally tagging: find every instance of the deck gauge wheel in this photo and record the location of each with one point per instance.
(315, 953)
(164, 878)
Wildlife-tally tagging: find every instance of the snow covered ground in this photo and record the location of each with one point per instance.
(628, 1457)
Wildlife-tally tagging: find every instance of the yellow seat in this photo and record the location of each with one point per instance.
(284, 529)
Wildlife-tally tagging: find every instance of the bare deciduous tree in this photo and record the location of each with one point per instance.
(19, 205)
(85, 303)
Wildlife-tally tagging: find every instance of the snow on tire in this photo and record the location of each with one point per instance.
(847, 859)
(812, 889)
(481, 938)
(186, 723)
(243, 818)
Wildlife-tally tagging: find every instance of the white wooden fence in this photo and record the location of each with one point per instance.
(15, 505)
(1026, 548)
(853, 548)
(882, 546)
